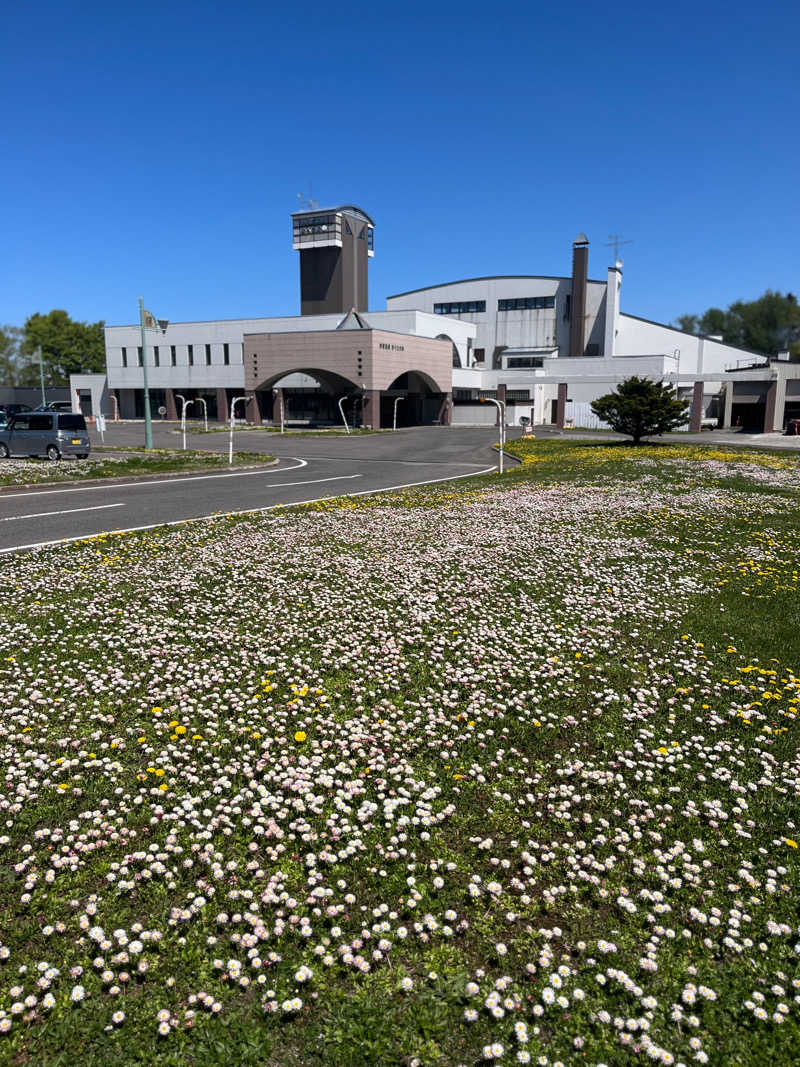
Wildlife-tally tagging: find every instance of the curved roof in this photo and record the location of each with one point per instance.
(495, 278)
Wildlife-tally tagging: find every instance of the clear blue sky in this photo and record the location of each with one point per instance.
(159, 150)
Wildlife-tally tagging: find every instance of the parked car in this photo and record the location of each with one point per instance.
(45, 433)
(13, 409)
(54, 405)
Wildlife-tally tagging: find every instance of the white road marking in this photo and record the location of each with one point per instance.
(157, 481)
(248, 511)
(67, 511)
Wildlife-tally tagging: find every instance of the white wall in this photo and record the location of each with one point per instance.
(692, 355)
(536, 328)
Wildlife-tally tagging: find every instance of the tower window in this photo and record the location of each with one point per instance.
(124, 357)
(156, 358)
(208, 355)
(190, 354)
(226, 354)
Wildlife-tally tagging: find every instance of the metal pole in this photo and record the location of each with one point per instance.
(182, 398)
(148, 426)
(397, 400)
(341, 412)
(501, 411)
(234, 402)
(41, 373)
(283, 413)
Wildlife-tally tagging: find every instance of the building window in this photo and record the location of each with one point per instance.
(139, 355)
(524, 361)
(208, 355)
(173, 356)
(479, 354)
(226, 355)
(190, 353)
(156, 358)
(526, 303)
(460, 307)
(124, 357)
(516, 396)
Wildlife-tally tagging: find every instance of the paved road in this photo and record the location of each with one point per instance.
(309, 469)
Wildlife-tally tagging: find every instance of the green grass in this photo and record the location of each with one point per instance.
(125, 463)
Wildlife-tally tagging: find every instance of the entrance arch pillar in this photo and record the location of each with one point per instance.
(371, 409)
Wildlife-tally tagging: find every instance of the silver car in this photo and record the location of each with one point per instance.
(45, 433)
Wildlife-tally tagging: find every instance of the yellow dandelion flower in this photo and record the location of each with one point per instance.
(300, 736)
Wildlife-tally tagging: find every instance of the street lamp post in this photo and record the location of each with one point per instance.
(199, 400)
(162, 325)
(184, 405)
(397, 400)
(341, 412)
(501, 408)
(41, 373)
(234, 402)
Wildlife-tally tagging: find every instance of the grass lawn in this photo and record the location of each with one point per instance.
(124, 463)
(499, 771)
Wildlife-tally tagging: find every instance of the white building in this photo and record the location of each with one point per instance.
(546, 345)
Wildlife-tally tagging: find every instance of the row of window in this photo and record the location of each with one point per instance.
(472, 307)
(461, 307)
(526, 303)
(173, 355)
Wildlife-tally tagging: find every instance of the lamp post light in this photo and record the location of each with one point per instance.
(234, 402)
(41, 373)
(148, 321)
(199, 400)
(184, 405)
(397, 400)
(501, 408)
(341, 412)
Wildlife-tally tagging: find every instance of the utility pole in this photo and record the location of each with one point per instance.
(41, 373)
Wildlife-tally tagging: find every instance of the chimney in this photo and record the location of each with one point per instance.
(580, 268)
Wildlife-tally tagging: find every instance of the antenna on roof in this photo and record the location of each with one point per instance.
(614, 241)
(308, 202)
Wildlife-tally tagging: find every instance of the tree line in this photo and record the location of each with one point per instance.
(770, 324)
(68, 347)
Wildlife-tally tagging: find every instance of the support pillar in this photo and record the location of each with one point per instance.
(278, 400)
(371, 409)
(172, 411)
(446, 410)
(696, 416)
(222, 406)
(561, 406)
(252, 412)
(728, 414)
(770, 410)
(501, 396)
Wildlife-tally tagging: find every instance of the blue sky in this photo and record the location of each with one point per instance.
(160, 151)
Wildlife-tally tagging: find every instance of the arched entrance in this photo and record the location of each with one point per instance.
(420, 404)
(310, 397)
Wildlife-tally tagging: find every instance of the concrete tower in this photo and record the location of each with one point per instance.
(335, 246)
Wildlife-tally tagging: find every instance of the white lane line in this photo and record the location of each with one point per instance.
(161, 481)
(248, 511)
(67, 511)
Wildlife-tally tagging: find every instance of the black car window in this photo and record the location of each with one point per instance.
(72, 422)
(40, 422)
